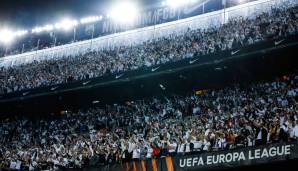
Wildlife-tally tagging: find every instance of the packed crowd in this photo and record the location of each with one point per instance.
(233, 117)
(238, 32)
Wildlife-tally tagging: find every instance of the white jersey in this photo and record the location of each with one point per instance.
(136, 153)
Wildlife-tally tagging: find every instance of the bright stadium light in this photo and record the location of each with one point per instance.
(124, 12)
(21, 32)
(36, 30)
(6, 36)
(66, 24)
(175, 3)
(90, 19)
(178, 3)
(241, 1)
(48, 27)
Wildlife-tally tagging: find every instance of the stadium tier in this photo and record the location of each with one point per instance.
(225, 119)
(238, 32)
(189, 85)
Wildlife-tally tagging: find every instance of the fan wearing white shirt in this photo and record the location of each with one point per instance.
(18, 165)
(222, 142)
(136, 153)
(181, 148)
(295, 131)
(13, 165)
(197, 144)
(206, 144)
(149, 152)
(187, 147)
(172, 147)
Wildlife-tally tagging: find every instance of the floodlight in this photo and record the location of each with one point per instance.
(36, 29)
(6, 36)
(48, 27)
(178, 3)
(66, 24)
(124, 12)
(90, 19)
(241, 1)
(175, 3)
(21, 32)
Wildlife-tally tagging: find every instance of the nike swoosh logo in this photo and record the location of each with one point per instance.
(154, 69)
(118, 76)
(193, 61)
(191, 9)
(234, 52)
(162, 87)
(87, 82)
(278, 42)
(95, 101)
(54, 88)
(26, 93)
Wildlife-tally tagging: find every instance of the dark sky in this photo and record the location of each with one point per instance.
(29, 13)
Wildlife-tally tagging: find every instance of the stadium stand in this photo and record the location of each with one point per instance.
(170, 132)
(236, 33)
(223, 119)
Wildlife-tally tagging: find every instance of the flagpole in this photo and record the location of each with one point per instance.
(37, 45)
(55, 41)
(92, 35)
(23, 48)
(155, 20)
(6, 48)
(224, 2)
(92, 31)
(74, 34)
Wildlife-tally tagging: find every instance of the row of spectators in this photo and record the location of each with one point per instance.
(238, 116)
(238, 32)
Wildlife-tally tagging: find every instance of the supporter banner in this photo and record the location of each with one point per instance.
(237, 157)
(160, 15)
